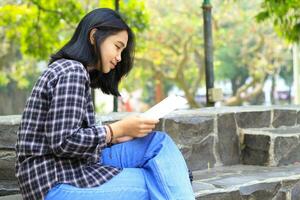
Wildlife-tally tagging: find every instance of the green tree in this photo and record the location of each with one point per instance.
(31, 30)
(173, 50)
(248, 51)
(285, 17)
(35, 29)
(169, 49)
(244, 50)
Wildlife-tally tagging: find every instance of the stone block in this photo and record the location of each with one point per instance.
(7, 165)
(230, 195)
(270, 146)
(11, 197)
(191, 133)
(281, 195)
(228, 141)
(286, 150)
(295, 192)
(199, 186)
(284, 118)
(255, 149)
(247, 182)
(188, 129)
(298, 118)
(290, 190)
(257, 141)
(8, 133)
(253, 119)
(8, 187)
(259, 191)
(202, 155)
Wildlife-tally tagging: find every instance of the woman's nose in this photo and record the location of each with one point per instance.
(118, 58)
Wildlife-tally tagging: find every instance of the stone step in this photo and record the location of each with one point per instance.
(248, 182)
(270, 146)
(7, 164)
(237, 182)
(207, 137)
(8, 187)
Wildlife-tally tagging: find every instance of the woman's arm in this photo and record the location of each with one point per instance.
(63, 129)
(130, 127)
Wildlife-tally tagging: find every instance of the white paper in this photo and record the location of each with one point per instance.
(164, 107)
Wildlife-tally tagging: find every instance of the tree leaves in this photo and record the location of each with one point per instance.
(285, 16)
(35, 29)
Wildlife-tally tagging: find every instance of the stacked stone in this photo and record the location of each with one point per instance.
(8, 135)
(235, 152)
(239, 152)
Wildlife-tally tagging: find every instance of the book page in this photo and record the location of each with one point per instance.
(164, 107)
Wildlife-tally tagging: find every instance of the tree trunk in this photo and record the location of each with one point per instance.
(159, 92)
(189, 96)
(273, 90)
(242, 96)
(290, 95)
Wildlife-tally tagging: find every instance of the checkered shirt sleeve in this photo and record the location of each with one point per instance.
(65, 116)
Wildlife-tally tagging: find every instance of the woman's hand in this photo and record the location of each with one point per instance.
(133, 126)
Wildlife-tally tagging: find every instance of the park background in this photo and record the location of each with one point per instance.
(255, 50)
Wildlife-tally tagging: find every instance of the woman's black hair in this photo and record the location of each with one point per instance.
(79, 48)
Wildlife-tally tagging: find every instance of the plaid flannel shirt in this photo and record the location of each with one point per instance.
(58, 139)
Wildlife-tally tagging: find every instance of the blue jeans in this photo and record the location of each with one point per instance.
(153, 168)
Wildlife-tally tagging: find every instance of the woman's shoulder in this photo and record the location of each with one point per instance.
(65, 66)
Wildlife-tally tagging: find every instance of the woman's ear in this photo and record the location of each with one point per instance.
(92, 33)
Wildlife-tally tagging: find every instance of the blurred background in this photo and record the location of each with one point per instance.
(255, 50)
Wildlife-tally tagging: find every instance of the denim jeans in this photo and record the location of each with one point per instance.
(153, 168)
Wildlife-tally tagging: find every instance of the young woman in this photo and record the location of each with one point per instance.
(63, 155)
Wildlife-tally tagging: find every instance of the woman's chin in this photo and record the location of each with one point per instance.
(106, 71)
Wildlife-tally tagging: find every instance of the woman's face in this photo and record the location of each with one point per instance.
(111, 49)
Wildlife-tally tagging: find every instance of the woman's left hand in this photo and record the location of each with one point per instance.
(122, 139)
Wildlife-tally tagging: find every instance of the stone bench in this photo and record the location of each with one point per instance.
(209, 138)
(247, 182)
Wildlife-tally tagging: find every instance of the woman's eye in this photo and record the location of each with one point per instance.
(118, 47)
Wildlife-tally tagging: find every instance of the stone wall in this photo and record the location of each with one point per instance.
(8, 135)
(208, 137)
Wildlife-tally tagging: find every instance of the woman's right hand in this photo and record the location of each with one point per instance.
(133, 126)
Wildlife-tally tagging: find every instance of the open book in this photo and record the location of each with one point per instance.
(164, 107)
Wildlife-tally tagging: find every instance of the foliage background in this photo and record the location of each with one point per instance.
(252, 44)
